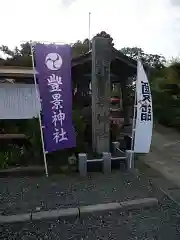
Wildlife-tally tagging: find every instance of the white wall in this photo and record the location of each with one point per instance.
(18, 101)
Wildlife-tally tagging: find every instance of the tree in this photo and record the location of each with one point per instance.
(133, 52)
(166, 95)
(7, 51)
(173, 73)
(153, 60)
(105, 35)
(22, 56)
(80, 48)
(19, 56)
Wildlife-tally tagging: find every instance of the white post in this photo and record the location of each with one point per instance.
(133, 129)
(82, 162)
(39, 114)
(89, 31)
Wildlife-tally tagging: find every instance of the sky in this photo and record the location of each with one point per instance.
(153, 25)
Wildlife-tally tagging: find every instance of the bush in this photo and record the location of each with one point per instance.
(32, 154)
(3, 160)
(33, 133)
(10, 157)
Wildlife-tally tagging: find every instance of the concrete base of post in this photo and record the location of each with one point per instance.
(106, 162)
(82, 164)
(129, 159)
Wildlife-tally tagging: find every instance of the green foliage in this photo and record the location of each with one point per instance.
(3, 160)
(19, 56)
(13, 155)
(165, 86)
(166, 95)
(152, 60)
(33, 133)
(80, 48)
(22, 56)
(10, 157)
(105, 35)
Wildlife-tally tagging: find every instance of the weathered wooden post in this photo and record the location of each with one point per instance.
(101, 60)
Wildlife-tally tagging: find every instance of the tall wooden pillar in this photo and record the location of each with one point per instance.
(101, 59)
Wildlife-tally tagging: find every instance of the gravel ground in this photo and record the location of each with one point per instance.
(26, 194)
(19, 195)
(150, 224)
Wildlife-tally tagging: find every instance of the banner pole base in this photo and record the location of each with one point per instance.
(45, 164)
(130, 159)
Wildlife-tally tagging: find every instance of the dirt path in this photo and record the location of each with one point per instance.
(165, 153)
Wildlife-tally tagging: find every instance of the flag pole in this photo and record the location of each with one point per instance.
(39, 114)
(89, 31)
(133, 130)
(134, 120)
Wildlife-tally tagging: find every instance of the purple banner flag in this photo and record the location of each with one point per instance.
(53, 64)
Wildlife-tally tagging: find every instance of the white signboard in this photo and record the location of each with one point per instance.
(18, 101)
(144, 113)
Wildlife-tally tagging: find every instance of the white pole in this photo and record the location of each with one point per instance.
(89, 31)
(134, 121)
(133, 130)
(39, 114)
